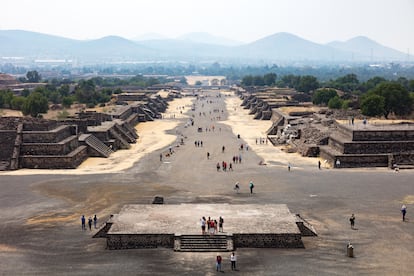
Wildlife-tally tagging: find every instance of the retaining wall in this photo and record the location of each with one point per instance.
(268, 240)
(131, 241)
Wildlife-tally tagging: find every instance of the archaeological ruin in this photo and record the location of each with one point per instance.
(65, 144)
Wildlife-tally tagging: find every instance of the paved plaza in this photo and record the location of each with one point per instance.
(41, 232)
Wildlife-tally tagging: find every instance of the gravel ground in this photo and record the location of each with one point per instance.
(41, 232)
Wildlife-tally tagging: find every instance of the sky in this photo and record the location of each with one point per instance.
(389, 22)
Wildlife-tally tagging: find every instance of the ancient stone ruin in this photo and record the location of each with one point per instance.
(343, 139)
(50, 144)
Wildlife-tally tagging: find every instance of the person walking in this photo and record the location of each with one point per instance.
(319, 164)
(203, 225)
(160, 157)
(403, 211)
(233, 260)
(288, 167)
(237, 187)
(221, 221)
(90, 223)
(95, 221)
(218, 166)
(208, 155)
(83, 220)
(218, 262)
(352, 221)
(251, 186)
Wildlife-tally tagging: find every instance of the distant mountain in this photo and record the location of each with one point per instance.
(194, 47)
(206, 38)
(288, 47)
(149, 36)
(364, 48)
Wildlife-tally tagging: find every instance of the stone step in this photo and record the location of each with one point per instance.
(203, 243)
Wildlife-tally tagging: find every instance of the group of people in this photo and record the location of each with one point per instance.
(198, 143)
(90, 220)
(219, 260)
(223, 165)
(261, 140)
(213, 226)
(403, 212)
(237, 186)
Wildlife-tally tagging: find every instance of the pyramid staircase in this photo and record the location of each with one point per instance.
(203, 243)
(96, 144)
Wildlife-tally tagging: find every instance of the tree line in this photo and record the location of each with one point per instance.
(90, 92)
(375, 97)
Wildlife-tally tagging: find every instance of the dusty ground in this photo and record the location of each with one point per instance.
(41, 231)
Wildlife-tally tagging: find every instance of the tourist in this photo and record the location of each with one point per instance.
(319, 164)
(352, 221)
(208, 224)
(215, 227)
(203, 225)
(222, 149)
(218, 166)
(233, 260)
(251, 186)
(240, 157)
(221, 221)
(288, 167)
(95, 221)
(230, 167)
(90, 223)
(160, 157)
(208, 155)
(83, 222)
(237, 187)
(403, 211)
(218, 262)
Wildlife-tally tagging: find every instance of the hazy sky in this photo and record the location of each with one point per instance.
(389, 22)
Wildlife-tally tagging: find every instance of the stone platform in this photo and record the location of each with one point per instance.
(250, 225)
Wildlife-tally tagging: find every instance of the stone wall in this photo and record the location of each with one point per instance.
(383, 135)
(7, 138)
(61, 148)
(54, 136)
(268, 240)
(70, 161)
(131, 241)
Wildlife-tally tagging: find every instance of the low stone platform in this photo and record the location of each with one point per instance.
(251, 225)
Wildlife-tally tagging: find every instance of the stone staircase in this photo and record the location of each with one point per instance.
(124, 143)
(203, 243)
(97, 145)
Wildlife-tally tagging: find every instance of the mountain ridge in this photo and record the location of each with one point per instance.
(280, 46)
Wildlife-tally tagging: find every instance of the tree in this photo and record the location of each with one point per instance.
(33, 76)
(307, 83)
(247, 80)
(35, 104)
(269, 79)
(258, 81)
(67, 101)
(17, 102)
(335, 103)
(198, 83)
(322, 96)
(372, 105)
(396, 98)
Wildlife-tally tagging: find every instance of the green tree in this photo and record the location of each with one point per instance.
(64, 90)
(33, 76)
(258, 81)
(67, 101)
(335, 103)
(35, 104)
(198, 83)
(247, 80)
(322, 96)
(17, 102)
(396, 98)
(307, 83)
(372, 105)
(85, 92)
(269, 79)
